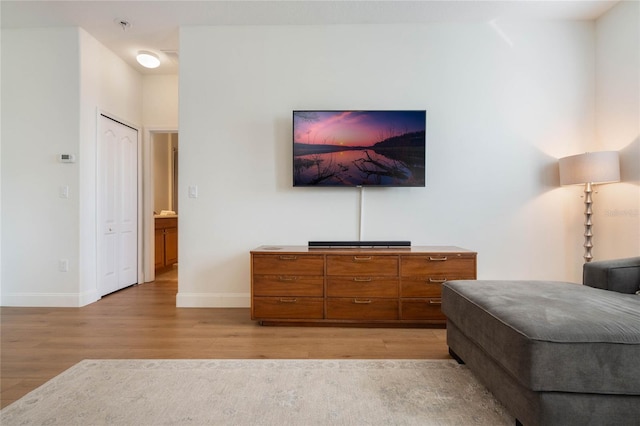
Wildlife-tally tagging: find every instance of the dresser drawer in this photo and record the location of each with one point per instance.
(288, 285)
(362, 265)
(288, 308)
(449, 266)
(362, 287)
(362, 309)
(422, 309)
(421, 287)
(163, 223)
(285, 264)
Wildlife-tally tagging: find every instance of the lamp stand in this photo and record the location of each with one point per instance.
(588, 234)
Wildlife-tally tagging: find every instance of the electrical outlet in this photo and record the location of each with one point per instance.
(63, 265)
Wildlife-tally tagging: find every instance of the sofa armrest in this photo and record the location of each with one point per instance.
(621, 275)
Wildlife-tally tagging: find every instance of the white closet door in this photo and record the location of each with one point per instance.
(117, 205)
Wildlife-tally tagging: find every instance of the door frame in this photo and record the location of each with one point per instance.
(148, 238)
(101, 112)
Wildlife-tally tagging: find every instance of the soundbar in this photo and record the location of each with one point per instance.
(359, 244)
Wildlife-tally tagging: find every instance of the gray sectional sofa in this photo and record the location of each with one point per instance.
(554, 353)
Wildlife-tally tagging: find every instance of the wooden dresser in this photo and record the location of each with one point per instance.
(354, 286)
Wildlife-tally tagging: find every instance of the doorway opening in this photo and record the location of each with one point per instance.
(161, 207)
(165, 173)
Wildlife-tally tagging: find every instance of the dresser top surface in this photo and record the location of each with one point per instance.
(391, 250)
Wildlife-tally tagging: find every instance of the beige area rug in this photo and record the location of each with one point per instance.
(260, 392)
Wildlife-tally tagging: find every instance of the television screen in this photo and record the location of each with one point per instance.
(359, 148)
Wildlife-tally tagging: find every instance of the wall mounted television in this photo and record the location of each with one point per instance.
(359, 148)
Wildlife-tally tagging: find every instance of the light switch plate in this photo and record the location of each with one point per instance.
(64, 191)
(193, 191)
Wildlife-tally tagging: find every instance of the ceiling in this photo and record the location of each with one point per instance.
(154, 25)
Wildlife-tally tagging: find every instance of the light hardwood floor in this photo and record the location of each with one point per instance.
(143, 322)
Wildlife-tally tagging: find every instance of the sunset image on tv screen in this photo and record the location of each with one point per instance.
(359, 148)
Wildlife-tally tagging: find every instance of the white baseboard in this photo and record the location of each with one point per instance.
(213, 300)
(48, 300)
(75, 300)
(88, 298)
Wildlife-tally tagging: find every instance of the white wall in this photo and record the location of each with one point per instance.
(160, 101)
(108, 85)
(617, 206)
(0, 172)
(40, 116)
(503, 101)
(50, 102)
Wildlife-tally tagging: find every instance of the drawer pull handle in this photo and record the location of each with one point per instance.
(363, 302)
(288, 257)
(361, 258)
(433, 280)
(435, 302)
(287, 278)
(438, 259)
(363, 280)
(288, 300)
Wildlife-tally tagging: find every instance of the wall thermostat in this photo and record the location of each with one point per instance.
(67, 158)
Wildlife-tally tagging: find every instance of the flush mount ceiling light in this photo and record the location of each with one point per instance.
(148, 59)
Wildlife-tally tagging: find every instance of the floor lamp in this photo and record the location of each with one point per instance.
(589, 169)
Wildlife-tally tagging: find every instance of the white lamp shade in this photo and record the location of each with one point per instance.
(590, 167)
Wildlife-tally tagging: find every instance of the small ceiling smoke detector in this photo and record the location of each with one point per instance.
(148, 59)
(124, 24)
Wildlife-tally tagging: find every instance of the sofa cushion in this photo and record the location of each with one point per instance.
(552, 336)
(621, 275)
